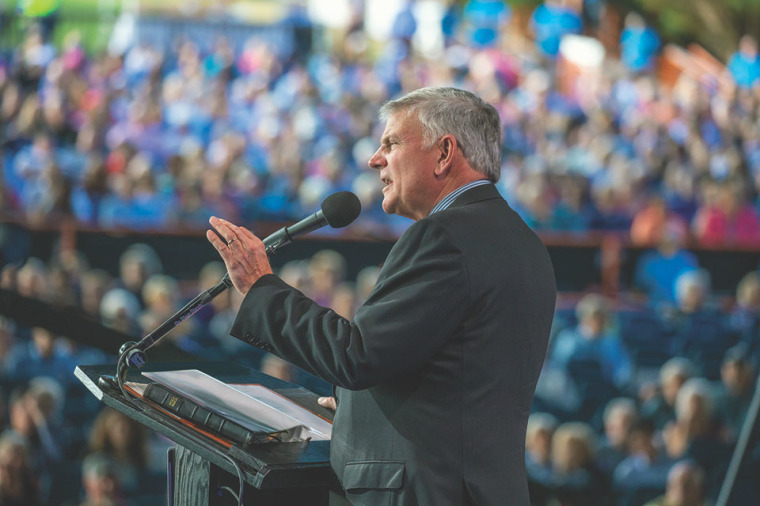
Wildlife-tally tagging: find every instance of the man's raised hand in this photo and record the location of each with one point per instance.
(243, 253)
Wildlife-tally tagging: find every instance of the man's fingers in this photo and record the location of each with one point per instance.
(214, 239)
(327, 402)
(243, 253)
(225, 228)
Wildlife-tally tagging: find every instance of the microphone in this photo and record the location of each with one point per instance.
(337, 210)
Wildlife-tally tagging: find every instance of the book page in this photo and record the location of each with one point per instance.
(296, 412)
(252, 409)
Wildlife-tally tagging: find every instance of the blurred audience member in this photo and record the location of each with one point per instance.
(100, 480)
(734, 394)
(296, 274)
(538, 462)
(119, 309)
(159, 295)
(686, 487)
(696, 434)
(656, 271)
(138, 263)
(745, 317)
(692, 296)
(639, 44)
(93, 287)
(699, 330)
(327, 269)
(125, 441)
(575, 480)
(620, 415)
(744, 65)
(31, 417)
(726, 218)
(18, 482)
(694, 407)
(7, 338)
(32, 280)
(208, 277)
(538, 445)
(365, 283)
(44, 355)
(550, 22)
(653, 221)
(344, 300)
(485, 20)
(660, 408)
(644, 471)
(593, 339)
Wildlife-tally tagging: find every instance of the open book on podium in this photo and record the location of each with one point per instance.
(241, 414)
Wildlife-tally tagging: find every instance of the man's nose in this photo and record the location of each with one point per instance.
(377, 161)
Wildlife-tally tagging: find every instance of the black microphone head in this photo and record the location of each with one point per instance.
(341, 208)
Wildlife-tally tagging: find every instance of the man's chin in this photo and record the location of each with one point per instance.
(388, 206)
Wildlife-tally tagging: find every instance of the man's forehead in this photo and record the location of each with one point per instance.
(400, 123)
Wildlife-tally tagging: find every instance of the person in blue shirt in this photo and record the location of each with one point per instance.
(645, 468)
(43, 355)
(485, 19)
(550, 22)
(639, 44)
(657, 270)
(593, 338)
(744, 64)
(405, 24)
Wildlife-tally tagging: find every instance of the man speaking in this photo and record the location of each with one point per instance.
(436, 373)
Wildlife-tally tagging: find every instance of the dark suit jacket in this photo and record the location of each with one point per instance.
(436, 374)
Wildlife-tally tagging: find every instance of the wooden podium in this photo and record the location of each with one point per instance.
(198, 471)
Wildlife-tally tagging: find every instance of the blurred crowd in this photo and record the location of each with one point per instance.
(636, 403)
(644, 399)
(148, 138)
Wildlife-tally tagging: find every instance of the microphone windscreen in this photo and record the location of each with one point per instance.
(341, 208)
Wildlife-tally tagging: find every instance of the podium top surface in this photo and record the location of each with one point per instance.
(266, 466)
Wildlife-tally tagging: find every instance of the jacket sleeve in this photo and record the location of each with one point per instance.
(419, 301)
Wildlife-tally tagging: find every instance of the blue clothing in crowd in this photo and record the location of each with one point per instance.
(656, 273)
(614, 360)
(550, 23)
(25, 363)
(484, 18)
(639, 46)
(405, 25)
(745, 69)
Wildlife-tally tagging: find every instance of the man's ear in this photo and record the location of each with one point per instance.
(447, 146)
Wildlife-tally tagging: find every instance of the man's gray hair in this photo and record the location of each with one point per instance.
(474, 123)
